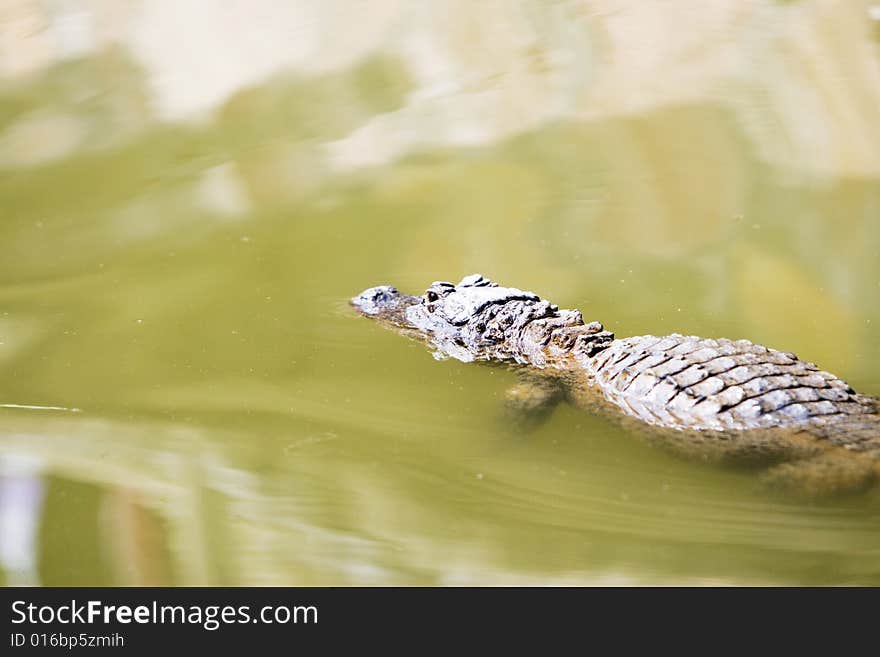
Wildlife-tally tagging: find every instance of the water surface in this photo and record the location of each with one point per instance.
(189, 201)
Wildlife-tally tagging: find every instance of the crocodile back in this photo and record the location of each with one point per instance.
(688, 382)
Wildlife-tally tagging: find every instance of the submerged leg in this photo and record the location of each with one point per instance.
(832, 472)
(531, 401)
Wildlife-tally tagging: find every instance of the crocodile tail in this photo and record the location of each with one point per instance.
(851, 463)
(858, 432)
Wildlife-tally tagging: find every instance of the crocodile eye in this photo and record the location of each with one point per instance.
(431, 295)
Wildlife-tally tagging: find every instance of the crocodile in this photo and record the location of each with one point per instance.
(707, 398)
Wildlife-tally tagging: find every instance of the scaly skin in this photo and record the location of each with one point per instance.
(711, 398)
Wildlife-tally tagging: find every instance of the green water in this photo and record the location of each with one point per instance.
(175, 264)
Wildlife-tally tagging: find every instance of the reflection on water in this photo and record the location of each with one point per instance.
(190, 194)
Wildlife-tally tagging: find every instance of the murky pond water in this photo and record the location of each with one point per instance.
(190, 195)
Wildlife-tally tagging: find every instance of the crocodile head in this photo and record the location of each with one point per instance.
(474, 320)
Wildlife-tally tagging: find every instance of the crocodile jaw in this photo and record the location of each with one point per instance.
(385, 303)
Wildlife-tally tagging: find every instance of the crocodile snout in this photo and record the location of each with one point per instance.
(375, 300)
